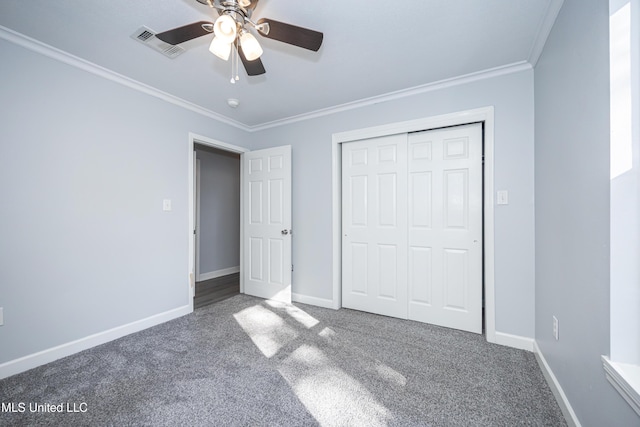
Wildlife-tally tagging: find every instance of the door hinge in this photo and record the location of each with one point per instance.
(291, 267)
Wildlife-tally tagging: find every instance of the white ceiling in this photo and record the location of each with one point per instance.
(370, 49)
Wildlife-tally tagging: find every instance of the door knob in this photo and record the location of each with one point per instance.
(285, 232)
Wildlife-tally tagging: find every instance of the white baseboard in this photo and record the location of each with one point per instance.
(218, 273)
(319, 302)
(515, 341)
(569, 415)
(34, 360)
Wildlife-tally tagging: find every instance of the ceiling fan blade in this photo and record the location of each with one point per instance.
(253, 68)
(292, 34)
(185, 33)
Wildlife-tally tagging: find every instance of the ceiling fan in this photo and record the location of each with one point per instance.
(231, 28)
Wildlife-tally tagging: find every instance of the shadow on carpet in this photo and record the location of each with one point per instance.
(247, 361)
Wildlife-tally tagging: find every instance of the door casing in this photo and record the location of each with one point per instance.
(485, 115)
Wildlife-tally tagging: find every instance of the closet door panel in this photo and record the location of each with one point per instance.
(374, 223)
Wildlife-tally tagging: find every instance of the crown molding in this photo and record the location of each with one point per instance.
(67, 58)
(429, 87)
(544, 29)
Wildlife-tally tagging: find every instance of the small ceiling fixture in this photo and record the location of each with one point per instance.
(233, 103)
(231, 29)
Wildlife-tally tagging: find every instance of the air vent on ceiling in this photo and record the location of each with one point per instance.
(146, 36)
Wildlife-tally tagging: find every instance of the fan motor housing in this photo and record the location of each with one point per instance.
(231, 6)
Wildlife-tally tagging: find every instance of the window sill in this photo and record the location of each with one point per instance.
(625, 378)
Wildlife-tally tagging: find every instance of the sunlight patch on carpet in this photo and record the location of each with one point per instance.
(268, 331)
(298, 315)
(331, 396)
(390, 375)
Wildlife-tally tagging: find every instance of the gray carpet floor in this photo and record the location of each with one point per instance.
(250, 362)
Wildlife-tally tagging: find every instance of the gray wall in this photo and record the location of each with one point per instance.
(512, 97)
(219, 209)
(572, 210)
(84, 166)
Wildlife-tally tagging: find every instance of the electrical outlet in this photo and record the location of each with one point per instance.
(556, 332)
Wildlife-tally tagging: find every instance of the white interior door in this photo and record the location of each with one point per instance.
(267, 223)
(374, 225)
(445, 227)
(412, 226)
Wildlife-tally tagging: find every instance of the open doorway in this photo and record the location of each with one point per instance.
(265, 227)
(217, 228)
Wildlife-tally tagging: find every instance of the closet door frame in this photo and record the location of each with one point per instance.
(484, 115)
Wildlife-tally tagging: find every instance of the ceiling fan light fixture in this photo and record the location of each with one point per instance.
(233, 38)
(225, 28)
(220, 48)
(250, 46)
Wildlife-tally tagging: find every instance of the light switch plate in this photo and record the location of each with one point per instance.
(1, 316)
(503, 197)
(166, 205)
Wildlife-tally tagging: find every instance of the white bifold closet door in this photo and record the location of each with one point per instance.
(412, 226)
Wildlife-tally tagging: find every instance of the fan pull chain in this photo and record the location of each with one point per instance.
(235, 59)
(237, 64)
(232, 80)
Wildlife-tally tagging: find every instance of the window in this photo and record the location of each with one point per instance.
(622, 367)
